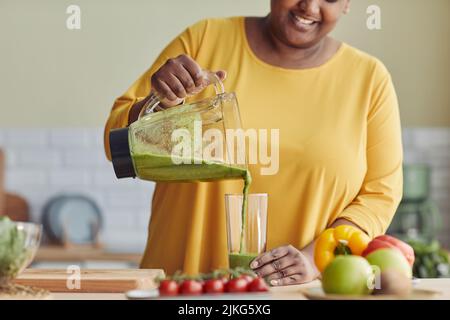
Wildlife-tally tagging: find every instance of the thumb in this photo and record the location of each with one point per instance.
(222, 74)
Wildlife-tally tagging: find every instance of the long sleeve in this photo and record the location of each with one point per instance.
(187, 42)
(381, 192)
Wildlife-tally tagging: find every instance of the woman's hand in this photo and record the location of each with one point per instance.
(179, 77)
(285, 265)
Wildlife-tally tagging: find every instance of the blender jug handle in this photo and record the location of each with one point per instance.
(154, 99)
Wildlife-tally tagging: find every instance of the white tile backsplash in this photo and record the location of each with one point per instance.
(43, 163)
(16, 178)
(407, 139)
(121, 220)
(11, 159)
(431, 138)
(70, 177)
(70, 138)
(96, 137)
(34, 158)
(81, 158)
(26, 137)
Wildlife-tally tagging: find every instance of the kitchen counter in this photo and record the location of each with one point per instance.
(278, 293)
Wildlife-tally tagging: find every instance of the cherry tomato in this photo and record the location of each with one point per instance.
(236, 285)
(247, 277)
(191, 287)
(224, 280)
(213, 286)
(168, 288)
(257, 285)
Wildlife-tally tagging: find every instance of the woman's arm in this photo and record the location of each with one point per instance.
(126, 108)
(373, 208)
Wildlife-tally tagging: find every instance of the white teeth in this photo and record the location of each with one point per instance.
(304, 21)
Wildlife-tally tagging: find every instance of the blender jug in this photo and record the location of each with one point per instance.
(183, 143)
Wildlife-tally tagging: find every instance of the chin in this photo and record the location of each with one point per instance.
(298, 35)
(302, 42)
(302, 38)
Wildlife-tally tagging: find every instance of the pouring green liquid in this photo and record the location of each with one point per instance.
(160, 167)
(247, 182)
(243, 258)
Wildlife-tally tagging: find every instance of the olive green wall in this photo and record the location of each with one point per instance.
(54, 77)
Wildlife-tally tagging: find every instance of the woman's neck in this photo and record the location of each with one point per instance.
(270, 49)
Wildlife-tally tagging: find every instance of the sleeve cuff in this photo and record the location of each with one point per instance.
(366, 223)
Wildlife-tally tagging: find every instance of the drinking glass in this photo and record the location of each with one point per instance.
(241, 251)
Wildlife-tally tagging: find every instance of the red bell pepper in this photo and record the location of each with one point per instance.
(386, 241)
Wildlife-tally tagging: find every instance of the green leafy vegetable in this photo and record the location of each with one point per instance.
(431, 260)
(12, 249)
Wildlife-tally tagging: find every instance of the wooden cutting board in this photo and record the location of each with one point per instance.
(90, 280)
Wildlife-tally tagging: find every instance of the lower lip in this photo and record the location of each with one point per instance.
(301, 26)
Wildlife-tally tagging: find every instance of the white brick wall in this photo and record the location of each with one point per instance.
(42, 163)
(21, 138)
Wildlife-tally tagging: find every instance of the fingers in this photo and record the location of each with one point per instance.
(270, 256)
(222, 74)
(180, 77)
(194, 70)
(290, 280)
(284, 273)
(176, 86)
(274, 266)
(164, 90)
(169, 86)
(185, 78)
(173, 81)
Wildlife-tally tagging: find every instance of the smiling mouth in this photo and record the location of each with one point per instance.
(303, 21)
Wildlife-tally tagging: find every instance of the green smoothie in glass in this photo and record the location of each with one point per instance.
(251, 236)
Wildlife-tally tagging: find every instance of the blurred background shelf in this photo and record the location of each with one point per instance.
(87, 257)
(83, 253)
(418, 216)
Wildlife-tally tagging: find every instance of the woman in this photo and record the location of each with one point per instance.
(340, 140)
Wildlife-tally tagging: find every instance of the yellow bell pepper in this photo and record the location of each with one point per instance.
(342, 240)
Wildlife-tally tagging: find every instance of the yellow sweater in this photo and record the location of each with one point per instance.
(340, 149)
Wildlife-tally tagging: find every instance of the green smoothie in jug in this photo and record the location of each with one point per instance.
(153, 161)
(160, 167)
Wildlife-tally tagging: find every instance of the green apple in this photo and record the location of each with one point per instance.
(348, 275)
(390, 259)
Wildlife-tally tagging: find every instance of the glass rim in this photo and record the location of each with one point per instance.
(241, 195)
